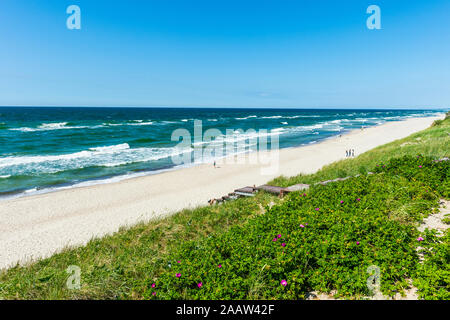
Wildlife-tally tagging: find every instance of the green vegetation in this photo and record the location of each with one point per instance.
(331, 252)
(319, 241)
(433, 142)
(433, 276)
(111, 265)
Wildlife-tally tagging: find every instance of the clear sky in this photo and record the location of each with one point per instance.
(229, 53)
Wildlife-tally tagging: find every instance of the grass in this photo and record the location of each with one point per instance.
(322, 241)
(433, 142)
(111, 265)
(119, 266)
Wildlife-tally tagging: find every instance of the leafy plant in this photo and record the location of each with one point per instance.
(320, 241)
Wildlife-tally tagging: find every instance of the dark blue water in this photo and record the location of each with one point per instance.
(47, 147)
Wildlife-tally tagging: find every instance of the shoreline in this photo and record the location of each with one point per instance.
(115, 178)
(39, 225)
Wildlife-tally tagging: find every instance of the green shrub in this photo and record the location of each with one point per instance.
(433, 275)
(320, 241)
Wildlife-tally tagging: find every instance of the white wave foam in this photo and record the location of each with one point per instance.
(53, 126)
(302, 116)
(245, 118)
(48, 127)
(141, 123)
(272, 117)
(64, 126)
(114, 148)
(108, 156)
(238, 136)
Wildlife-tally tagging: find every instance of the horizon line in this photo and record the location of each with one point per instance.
(421, 108)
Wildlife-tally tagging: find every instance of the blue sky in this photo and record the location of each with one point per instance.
(228, 53)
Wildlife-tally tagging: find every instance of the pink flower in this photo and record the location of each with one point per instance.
(420, 166)
(274, 239)
(178, 261)
(357, 242)
(220, 266)
(342, 201)
(283, 283)
(153, 285)
(317, 209)
(420, 239)
(279, 236)
(306, 224)
(358, 199)
(283, 244)
(304, 194)
(154, 293)
(199, 284)
(302, 226)
(178, 275)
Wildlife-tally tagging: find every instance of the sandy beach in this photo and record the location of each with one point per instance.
(38, 226)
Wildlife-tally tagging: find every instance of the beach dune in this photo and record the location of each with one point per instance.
(37, 226)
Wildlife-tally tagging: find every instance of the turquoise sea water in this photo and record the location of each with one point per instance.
(42, 149)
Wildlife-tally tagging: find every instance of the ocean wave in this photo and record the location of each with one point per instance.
(141, 123)
(168, 122)
(107, 156)
(114, 148)
(302, 116)
(53, 126)
(245, 118)
(5, 176)
(131, 123)
(240, 135)
(65, 126)
(272, 117)
(48, 127)
(293, 117)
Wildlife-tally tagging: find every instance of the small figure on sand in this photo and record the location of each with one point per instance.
(349, 153)
(214, 163)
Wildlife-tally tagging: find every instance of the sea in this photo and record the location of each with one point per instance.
(43, 149)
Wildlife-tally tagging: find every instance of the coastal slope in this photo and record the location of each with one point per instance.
(37, 226)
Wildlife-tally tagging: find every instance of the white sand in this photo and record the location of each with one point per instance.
(38, 226)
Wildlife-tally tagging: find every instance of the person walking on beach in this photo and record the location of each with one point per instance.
(346, 153)
(214, 163)
(353, 152)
